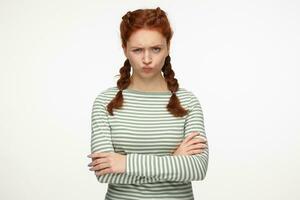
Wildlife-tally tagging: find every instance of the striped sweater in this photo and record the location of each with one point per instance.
(147, 134)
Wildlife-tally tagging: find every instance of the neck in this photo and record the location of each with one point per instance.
(148, 85)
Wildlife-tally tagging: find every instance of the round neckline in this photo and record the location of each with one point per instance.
(147, 92)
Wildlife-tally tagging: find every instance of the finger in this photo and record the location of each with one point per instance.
(197, 147)
(193, 141)
(98, 154)
(100, 167)
(98, 161)
(201, 137)
(104, 171)
(196, 140)
(192, 152)
(190, 136)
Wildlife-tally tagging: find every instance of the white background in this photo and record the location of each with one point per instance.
(241, 59)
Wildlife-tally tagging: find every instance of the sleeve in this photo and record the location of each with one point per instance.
(101, 142)
(183, 168)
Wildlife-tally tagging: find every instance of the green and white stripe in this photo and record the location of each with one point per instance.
(147, 133)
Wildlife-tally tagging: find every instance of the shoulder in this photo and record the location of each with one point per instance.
(106, 95)
(186, 93)
(187, 97)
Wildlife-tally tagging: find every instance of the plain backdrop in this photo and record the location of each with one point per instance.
(240, 58)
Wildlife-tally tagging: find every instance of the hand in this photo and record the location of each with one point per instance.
(107, 162)
(190, 146)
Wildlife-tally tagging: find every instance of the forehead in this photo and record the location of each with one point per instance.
(146, 38)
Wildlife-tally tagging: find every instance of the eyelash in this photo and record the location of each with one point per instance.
(136, 50)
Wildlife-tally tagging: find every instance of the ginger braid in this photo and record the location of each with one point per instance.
(173, 106)
(122, 84)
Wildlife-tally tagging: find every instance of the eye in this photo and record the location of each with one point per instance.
(156, 49)
(136, 50)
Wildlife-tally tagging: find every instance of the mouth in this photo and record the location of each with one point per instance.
(147, 69)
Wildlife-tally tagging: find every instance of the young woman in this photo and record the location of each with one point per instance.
(148, 139)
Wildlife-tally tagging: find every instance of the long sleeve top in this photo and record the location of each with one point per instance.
(147, 133)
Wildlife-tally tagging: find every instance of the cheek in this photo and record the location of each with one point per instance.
(162, 62)
(134, 59)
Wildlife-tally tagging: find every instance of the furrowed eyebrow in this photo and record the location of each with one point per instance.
(136, 47)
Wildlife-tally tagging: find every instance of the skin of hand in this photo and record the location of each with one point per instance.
(107, 162)
(190, 146)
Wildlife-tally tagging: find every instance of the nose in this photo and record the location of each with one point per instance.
(147, 57)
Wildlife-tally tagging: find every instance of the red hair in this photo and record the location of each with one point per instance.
(151, 19)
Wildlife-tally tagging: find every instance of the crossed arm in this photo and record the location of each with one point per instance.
(145, 168)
